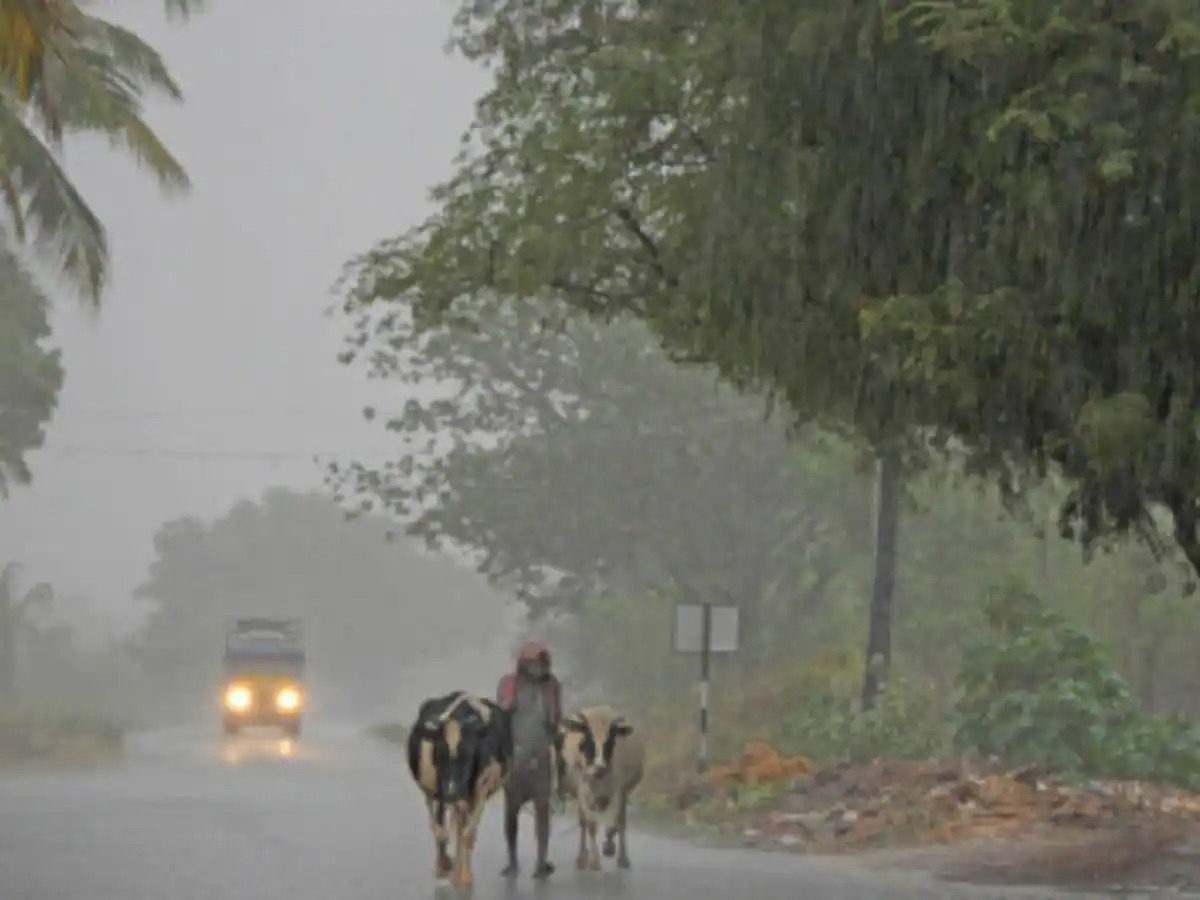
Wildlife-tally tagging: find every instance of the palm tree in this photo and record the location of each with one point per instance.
(16, 614)
(67, 72)
(31, 372)
(62, 72)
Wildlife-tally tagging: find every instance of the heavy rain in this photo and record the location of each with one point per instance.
(598, 448)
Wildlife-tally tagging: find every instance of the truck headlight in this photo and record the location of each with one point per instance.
(238, 698)
(288, 699)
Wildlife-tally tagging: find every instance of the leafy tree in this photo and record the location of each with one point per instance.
(372, 607)
(17, 606)
(963, 223)
(959, 543)
(580, 460)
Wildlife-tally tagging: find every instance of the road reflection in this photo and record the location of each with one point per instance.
(244, 749)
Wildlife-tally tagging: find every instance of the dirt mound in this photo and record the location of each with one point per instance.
(939, 803)
(1038, 829)
(760, 763)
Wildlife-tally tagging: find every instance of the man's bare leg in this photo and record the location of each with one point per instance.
(541, 809)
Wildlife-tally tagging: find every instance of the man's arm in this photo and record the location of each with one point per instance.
(555, 704)
(505, 691)
(560, 766)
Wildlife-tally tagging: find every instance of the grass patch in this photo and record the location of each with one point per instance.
(56, 737)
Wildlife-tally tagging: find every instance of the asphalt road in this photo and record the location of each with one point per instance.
(333, 816)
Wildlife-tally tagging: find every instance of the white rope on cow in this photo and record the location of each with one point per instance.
(458, 701)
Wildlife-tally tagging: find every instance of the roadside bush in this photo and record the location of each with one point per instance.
(813, 711)
(29, 735)
(1037, 689)
(907, 722)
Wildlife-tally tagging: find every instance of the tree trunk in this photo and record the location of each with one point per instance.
(887, 528)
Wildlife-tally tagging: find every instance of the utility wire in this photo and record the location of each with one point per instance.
(232, 412)
(247, 455)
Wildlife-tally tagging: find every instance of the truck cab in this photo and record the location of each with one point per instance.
(263, 675)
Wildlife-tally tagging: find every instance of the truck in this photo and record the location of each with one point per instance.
(263, 674)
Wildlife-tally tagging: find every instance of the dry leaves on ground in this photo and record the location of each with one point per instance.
(846, 807)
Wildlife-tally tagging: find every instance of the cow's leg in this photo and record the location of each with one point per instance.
(512, 821)
(467, 845)
(623, 855)
(581, 861)
(610, 825)
(609, 848)
(471, 829)
(487, 786)
(462, 858)
(442, 864)
(595, 849)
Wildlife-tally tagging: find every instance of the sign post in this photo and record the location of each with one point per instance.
(705, 629)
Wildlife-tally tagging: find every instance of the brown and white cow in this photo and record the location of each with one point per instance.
(602, 762)
(459, 753)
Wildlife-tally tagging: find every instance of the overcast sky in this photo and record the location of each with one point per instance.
(310, 130)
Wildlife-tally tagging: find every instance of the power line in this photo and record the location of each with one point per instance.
(243, 455)
(232, 412)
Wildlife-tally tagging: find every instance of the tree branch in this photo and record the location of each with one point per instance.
(648, 245)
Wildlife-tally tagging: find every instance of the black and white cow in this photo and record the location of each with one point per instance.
(602, 762)
(460, 754)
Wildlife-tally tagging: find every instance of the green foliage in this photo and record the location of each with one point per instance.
(29, 735)
(825, 723)
(575, 458)
(31, 373)
(1011, 284)
(714, 169)
(19, 606)
(1037, 689)
(788, 687)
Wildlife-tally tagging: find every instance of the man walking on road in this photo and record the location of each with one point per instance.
(534, 696)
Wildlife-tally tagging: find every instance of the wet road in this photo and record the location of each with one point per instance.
(333, 816)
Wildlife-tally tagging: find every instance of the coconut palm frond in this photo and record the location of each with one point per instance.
(11, 198)
(95, 94)
(132, 56)
(24, 305)
(32, 32)
(66, 229)
(183, 9)
(21, 46)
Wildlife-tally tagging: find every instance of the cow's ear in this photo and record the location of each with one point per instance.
(621, 727)
(573, 725)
